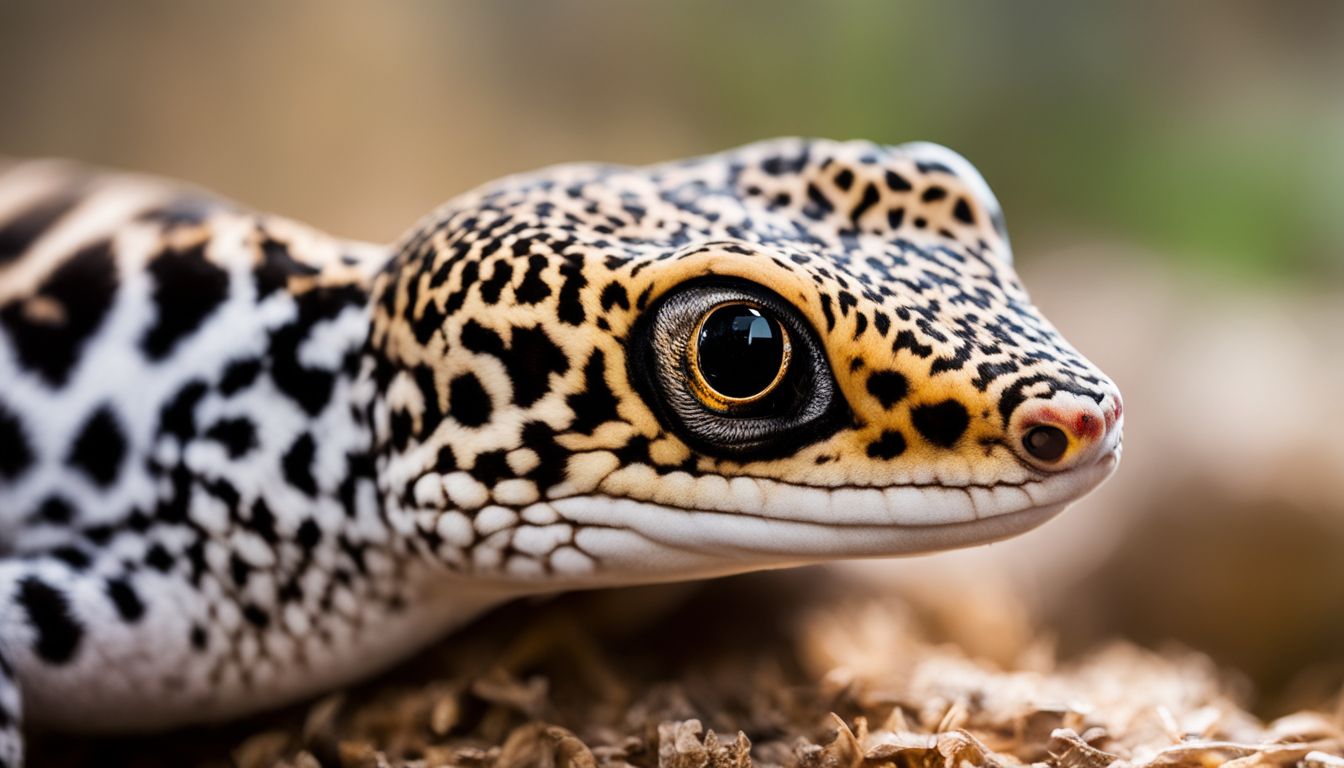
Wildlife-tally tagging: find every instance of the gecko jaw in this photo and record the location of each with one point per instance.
(653, 542)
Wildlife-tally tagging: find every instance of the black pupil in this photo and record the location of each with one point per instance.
(740, 350)
(1046, 443)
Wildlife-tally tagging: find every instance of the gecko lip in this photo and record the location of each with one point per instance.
(796, 525)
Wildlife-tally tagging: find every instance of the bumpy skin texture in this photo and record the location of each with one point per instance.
(243, 461)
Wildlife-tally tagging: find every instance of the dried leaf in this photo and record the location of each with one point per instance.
(1069, 750)
(679, 745)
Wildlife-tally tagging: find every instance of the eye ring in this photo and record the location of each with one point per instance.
(806, 407)
(704, 391)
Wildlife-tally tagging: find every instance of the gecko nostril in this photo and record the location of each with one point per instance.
(1046, 443)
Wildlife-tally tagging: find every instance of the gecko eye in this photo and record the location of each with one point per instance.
(739, 354)
(734, 370)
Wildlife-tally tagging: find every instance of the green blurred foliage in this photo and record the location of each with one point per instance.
(1208, 133)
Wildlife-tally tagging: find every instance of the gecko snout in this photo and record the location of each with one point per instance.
(1066, 431)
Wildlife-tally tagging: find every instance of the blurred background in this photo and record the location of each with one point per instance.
(1172, 175)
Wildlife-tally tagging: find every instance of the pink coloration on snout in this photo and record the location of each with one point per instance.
(1085, 430)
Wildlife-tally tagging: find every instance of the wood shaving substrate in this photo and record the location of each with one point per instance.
(857, 686)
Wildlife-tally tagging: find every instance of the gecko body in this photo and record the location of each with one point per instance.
(242, 461)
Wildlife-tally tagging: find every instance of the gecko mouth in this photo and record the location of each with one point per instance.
(796, 525)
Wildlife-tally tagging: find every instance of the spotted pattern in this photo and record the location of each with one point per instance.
(242, 461)
(895, 256)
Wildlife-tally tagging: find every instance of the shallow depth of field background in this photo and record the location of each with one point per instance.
(1172, 175)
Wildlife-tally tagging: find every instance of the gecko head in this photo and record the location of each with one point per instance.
(790, 352)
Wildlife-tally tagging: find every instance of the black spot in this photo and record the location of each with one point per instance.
(889, 387)
(532, 360)
(223, 490)
(239, 375)
(569, 307)
(74, 557)
(309, 387)
(20, 232)
(57, 633)
(897, 183)
(933, 194)
(846, 301)
(881, 322)
(256, 615)
(614, 295)
(844, 179)
(402, 426)
(932, 166)
(533, 288)
(198, 637)
(540, 438)
(986, 373)
(921, 222)
(446, 461)
(471, 272)
(429, 322)
(262, 522)
(870, 198)
(962, 211)
(351, 363)
(81, 290)
(291, 591)
(596, 404)
(195, 553)
(818, 205)
(490, 289)
(468, 402)
(239, 570)
(277, 266)
(158, 558)
(477, 338)
(895, 217)
(237, 435)
(942, 423)
(428, 385)
(298, 464)
(354, 552)
(827, 311)
(15, 454)
(99, 534)
(529, 362)
(643, 300)
(309, 535)
(138, 521)
(100, 448)
(178, 417)
(187, 288)
(890, 445)
(56, 510)
(777, 165)
(491, 467)
(128, 603)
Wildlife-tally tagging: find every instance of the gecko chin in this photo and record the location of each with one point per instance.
(783, 524)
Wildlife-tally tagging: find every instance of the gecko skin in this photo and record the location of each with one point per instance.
(242, 461)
